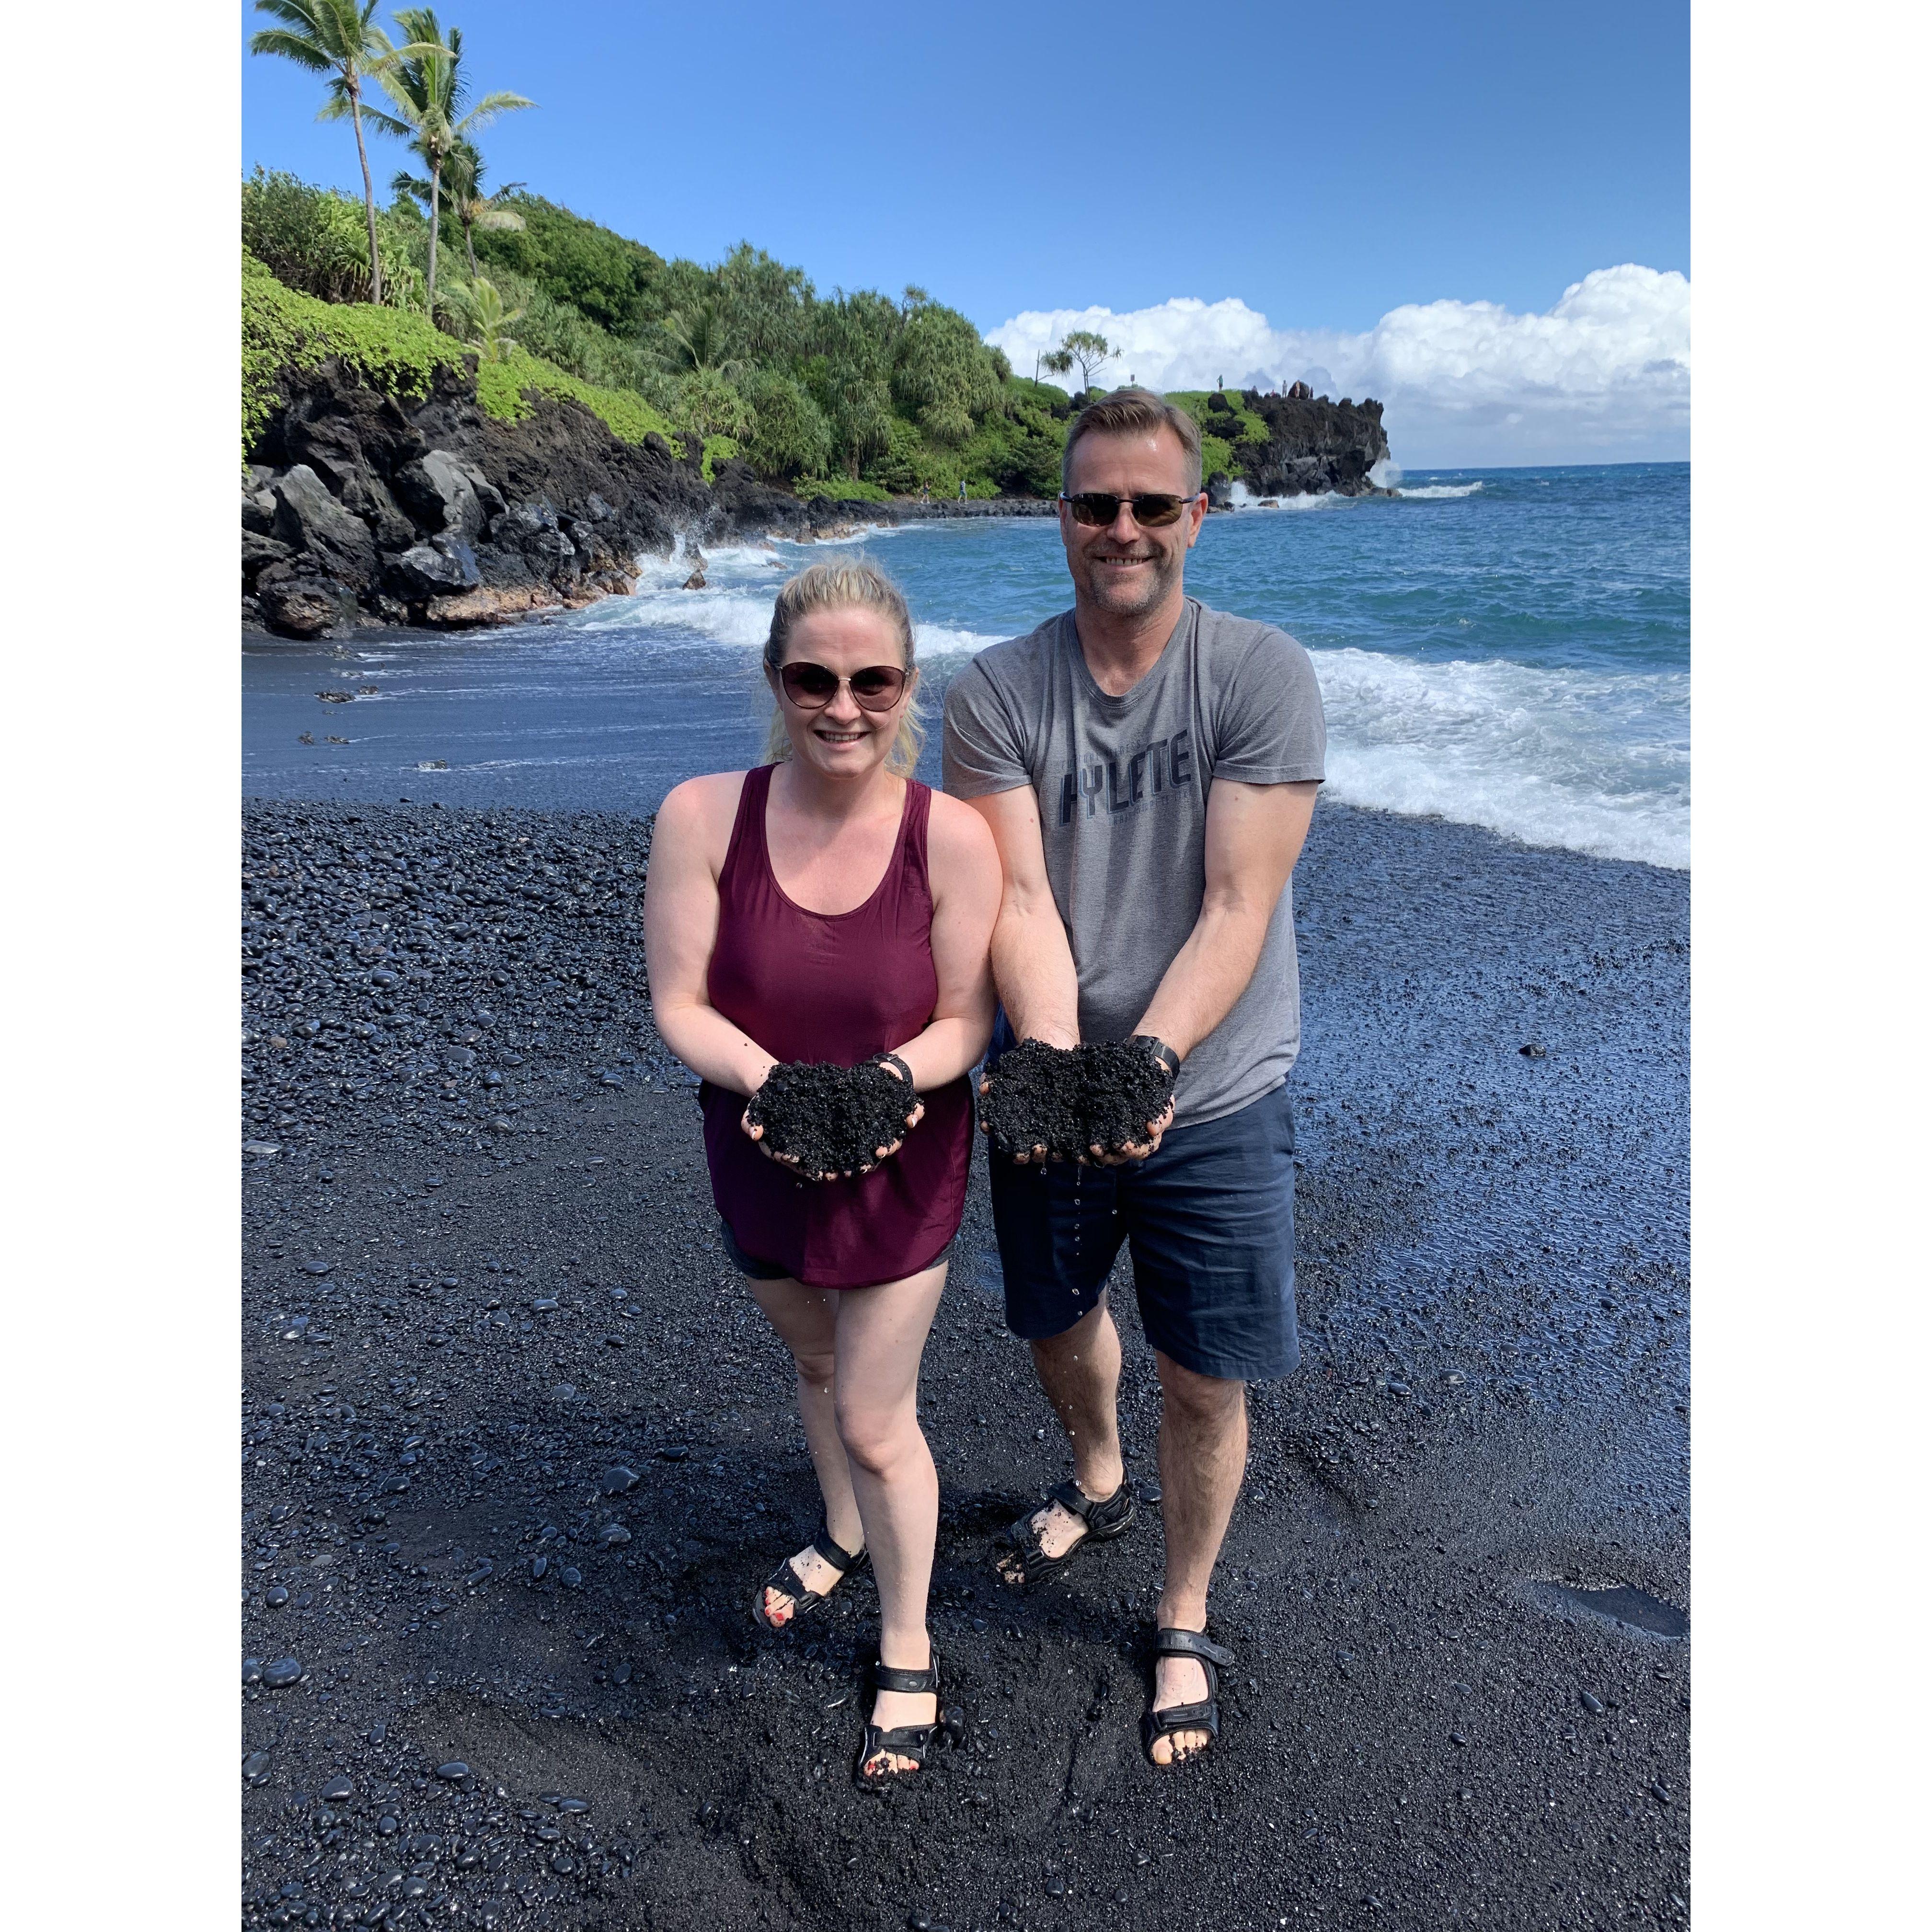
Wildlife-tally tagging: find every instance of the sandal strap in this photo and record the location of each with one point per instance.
(1096, 1514)
(913, 1683)
(841, 1560)
(1203, 1716)
(1195, 1644)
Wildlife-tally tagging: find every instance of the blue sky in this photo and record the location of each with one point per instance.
(1321, 169)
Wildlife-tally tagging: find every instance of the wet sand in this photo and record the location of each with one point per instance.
(518, 1519)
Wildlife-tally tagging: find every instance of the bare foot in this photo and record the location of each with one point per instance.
(1178, 1680)
(816, 1574)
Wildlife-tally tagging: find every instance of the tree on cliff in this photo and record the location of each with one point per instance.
(424, 82)
(340, 39)
(1092, 352)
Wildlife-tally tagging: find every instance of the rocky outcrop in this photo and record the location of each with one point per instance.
(1313, 446)
(359, 509)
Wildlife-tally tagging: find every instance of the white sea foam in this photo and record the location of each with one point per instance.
(1424, 492)
(1242, 498)
(1597, 762)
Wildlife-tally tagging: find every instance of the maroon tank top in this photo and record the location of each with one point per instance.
(838, 987)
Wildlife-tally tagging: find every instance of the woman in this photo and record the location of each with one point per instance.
(827, 907)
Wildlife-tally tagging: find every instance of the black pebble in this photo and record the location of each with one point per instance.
(275, 1597)
(282, 1672)
(255, 1766)
(454, 1770)
(673, 1452)
(336, 1790)
(1593, 1705)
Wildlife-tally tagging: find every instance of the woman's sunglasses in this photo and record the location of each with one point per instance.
(1097, 509)
(812, 687)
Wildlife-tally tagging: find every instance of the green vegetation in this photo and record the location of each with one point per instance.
(856, 391)
(1225, 422)
(283, 332)
(841, 489)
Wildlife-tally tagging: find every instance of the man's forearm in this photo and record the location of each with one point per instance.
(1206, 977)
(1033, 966)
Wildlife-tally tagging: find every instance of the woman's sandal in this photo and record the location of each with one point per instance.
(1202, 1717)
(786, 1579)
(1110, 1517)
(911, 1741)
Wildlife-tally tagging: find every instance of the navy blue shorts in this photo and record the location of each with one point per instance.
(1209, 1220)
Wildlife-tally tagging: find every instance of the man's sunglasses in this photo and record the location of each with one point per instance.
(1097, 509)
(812, 687)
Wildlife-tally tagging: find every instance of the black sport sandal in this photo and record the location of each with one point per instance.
(786, 1579)
(1202, 1717)
(1110, 1517)
(912, 1741)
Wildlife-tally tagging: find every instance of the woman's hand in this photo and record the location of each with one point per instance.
(912, 1119)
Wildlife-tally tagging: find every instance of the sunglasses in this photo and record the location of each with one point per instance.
(812, 687)
(1097, 509)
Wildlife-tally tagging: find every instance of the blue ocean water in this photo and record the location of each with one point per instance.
(1505, 648)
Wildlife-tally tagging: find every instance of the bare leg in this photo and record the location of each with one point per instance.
(1080, 1371)
(881, 1333)
(805, 1320)
(1203, 1454)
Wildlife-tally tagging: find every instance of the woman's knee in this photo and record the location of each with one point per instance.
(815, 1366)
(877, 1441)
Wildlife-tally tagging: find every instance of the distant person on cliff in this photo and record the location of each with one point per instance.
(827, 908)
(1148, 768)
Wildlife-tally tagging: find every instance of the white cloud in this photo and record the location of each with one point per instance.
(1603, 376)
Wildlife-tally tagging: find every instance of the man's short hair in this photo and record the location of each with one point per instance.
(1135, 413)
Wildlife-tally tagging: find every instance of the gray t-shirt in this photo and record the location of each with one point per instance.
(1122, 784)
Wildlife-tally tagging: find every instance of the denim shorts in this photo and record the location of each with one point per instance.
(1209, 1220)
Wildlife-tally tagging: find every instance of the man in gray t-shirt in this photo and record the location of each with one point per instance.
(1148, 768)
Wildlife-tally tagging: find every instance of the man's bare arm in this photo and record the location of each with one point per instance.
(1033, 963)
(1255, 835)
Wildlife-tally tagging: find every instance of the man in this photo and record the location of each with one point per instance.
(1148, 768)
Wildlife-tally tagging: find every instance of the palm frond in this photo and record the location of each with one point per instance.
(290, 47)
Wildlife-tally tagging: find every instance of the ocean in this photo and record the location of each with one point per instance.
(1505, 648)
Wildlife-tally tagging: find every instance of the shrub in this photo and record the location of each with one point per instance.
(718, 449)
(283, 332)
(317, 241)
(840, 489)
(599, 273)
(790, 435)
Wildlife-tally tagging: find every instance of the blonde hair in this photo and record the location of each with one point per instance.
(847, 584)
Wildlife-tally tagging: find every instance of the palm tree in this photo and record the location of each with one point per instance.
(487, 318)
(699, 342)
(425, 83)
(463, 179)
(339, 38)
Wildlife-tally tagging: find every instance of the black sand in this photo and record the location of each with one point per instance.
(831, 1120)
(1068, 1100)
(518, 1517)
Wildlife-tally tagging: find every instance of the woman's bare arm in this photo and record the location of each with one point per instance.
(963, 865)
(687, 848)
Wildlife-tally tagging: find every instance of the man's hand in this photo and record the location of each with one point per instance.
(1129, 1151)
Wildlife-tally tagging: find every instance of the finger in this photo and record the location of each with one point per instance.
(756, 1132)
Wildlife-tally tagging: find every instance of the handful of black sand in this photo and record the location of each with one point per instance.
(830, 1120)
(1069, 1100)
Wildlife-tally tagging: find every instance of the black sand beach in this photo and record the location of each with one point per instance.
(503, 1523)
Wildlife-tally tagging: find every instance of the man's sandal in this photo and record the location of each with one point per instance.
(1202, 1717)
(1106, 1519)
(912, 1741)
(786, 1579)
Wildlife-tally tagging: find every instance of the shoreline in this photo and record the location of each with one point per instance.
(1490, 1414)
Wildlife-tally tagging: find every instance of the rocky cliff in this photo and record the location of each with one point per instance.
(1310, 446)
(360, 509)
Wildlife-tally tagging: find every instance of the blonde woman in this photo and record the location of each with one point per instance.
(828, 907)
